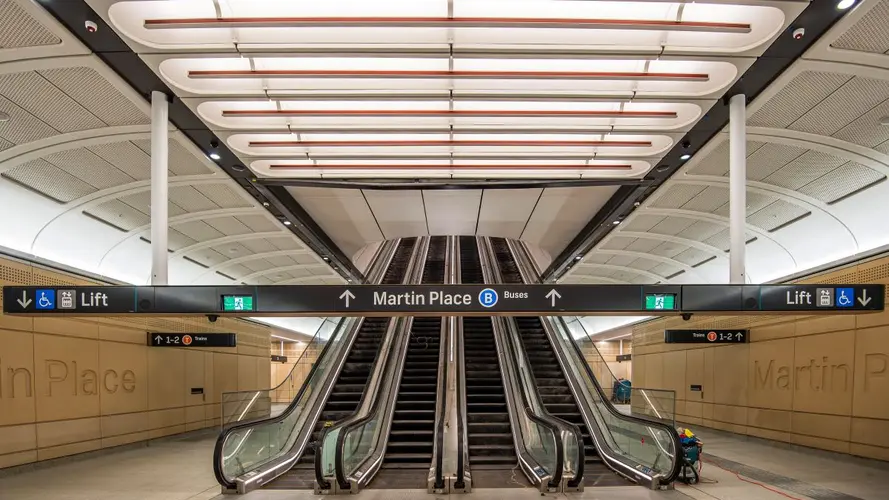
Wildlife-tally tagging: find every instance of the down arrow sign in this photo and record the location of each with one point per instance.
(864, 299)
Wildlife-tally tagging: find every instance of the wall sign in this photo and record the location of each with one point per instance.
(624, 357)
(279, 358)
(705, 336)
(192, 339)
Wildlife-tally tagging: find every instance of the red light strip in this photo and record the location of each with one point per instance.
(449, 167)
(616, 144)
(248, 113)
(447, 22)
(408, 74)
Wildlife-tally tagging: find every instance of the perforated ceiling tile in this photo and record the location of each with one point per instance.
(45, 101)
(97, 94)
(769, 158)
(262, 280)
(259, 246)
(676, 195)
(841, 182)
(119, 214)
(643, 264)
(4, 144)
(126, 157)
(617, 243)
(720, 240)
(18, 29)
(700, 230)
(236, 271)
(88, 167)
(232, 250)
(198, 230)
(177, 241)
(208, 257)
(870, 34)
(258, 265)
(707, 200)
(755, 202)
(621, 260)
(596, 258)
(258, 223)
(672, 226)
(843, 106)
(190, 199)
(22, 126)
(867, 130)
(883, 148)
(667, 249)
(286, 243)
(804, 170)
(141, 201)
(643, 245)
(281, 261)
(228, 225)
(776, 214)
(691, 256)
(181, 162)
(49, 180)
(642, 222)
(665, 270)
(223, 195)
(798, 97)
(305, 259)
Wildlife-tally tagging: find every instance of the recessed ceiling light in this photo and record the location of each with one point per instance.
(616, 222)
(325, 258)
(577, 258)
(845, 4)
(214, 156)
(238, 168)
(685, 157)
(286, 222)
(4, 117)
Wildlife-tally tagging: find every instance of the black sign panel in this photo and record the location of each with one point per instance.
(192, 339)
(705, 336)
(278, 358)
(364, 300)
(695, 388)
(624, 357)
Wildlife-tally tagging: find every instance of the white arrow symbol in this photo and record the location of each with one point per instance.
(158, 339)
(24, 301)
(553, 295)
(864, 299)
(739, 335)
(347, 295)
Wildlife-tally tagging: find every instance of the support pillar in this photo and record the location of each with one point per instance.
(737, 188)
(160, 258)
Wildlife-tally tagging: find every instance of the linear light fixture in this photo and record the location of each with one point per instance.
(284, 166)
(455, 74)
(613, 144)
(255, 113)
(448, 22)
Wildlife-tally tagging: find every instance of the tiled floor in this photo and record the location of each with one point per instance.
(182, 470)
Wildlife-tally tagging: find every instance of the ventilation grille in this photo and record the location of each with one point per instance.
(870, 34)
(18, 29)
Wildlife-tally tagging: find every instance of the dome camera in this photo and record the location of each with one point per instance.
(91, 27)
(799, 33)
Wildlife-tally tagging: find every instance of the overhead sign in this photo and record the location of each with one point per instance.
(384, 300)
(279, 359)
(705, 336)
(192, 339)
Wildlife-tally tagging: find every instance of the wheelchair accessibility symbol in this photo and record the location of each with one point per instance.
(487, 297)
(845, 297)
(45, 299)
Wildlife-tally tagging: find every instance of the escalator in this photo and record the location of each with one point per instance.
(558, 400)
(410, 446)
(488, 427)
(353, 378)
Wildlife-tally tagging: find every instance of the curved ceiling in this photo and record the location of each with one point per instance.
(817, 161)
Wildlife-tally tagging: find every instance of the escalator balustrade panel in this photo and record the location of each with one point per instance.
(353, 378)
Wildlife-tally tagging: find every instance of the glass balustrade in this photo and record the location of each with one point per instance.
(254, 445)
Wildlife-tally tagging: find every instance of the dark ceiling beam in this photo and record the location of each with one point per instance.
(817, 18)
(111, 49)
(450, 184)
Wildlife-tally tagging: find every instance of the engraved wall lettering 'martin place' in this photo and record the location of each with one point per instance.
(63, 377)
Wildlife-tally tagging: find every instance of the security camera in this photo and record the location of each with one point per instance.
(212, 318)
(686, 316)
(91, 27)
(799, 33)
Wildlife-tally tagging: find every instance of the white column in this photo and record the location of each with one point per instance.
(737, 187)
(159, 187)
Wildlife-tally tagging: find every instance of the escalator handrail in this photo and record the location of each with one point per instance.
(396, 327)
(641, 420)
(669, 429)
(381, 261)
(441, 396)
(223, 436)
(564, 424)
